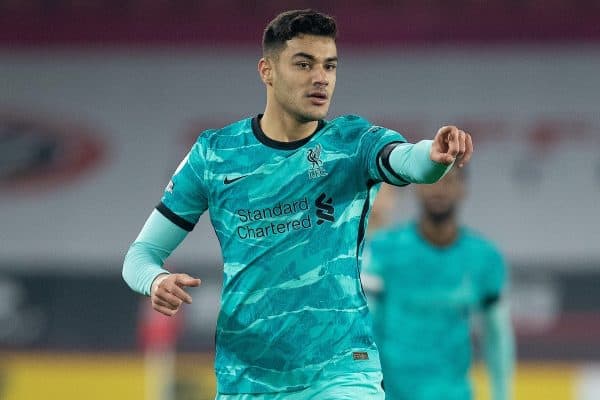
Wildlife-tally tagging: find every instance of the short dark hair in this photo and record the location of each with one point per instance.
(290, 24)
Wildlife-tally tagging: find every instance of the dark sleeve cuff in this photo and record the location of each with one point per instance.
(174, 218)
(383, 161)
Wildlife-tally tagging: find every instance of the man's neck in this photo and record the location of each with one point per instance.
(282, 127)
(439, 233)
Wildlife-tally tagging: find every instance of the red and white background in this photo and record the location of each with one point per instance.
(99, 101)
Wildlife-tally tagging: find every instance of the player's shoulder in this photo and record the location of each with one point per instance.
(351, 124)
(350, 120)
(214, 136)
(395, 235)
(354, 127)
(478, 240)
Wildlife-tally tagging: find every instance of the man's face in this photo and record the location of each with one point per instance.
(439, 200)
(303, 77)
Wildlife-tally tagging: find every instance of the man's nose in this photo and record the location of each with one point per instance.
(320, 77)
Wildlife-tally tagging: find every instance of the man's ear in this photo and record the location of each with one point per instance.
(265, 70)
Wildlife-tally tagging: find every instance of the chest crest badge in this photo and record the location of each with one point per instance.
(316, 169)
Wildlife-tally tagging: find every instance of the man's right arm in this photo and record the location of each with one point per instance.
(146, 256)
(183, 202)
(143, 266)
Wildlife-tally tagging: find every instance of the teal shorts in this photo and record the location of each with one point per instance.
(350, 386)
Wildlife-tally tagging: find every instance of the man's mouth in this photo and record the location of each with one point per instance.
(318, 98)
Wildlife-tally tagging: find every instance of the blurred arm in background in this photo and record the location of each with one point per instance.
(498, 345)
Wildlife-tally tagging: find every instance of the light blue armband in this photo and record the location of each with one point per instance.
(406, 163)
(146, 256)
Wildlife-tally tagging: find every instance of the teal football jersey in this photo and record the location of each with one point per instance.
(290, 218)
(422, 315)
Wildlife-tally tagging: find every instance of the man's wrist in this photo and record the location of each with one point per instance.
(159, 278)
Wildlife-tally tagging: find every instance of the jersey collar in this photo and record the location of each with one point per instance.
(267, 141)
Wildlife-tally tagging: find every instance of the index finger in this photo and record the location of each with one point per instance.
(468, 150)
(186, 280)
(180, 294)
(445, 129)
(452, 140)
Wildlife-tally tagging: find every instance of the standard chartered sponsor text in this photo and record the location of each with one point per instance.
(289, 216)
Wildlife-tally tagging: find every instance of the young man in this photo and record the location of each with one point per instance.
(428, 278)
(289, 194)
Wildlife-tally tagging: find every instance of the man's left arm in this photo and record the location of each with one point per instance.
(498, 349)
(426, 161)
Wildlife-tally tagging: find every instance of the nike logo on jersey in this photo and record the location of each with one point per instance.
(227, 181)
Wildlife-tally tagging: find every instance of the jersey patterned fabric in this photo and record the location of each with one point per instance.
(422, 317)
(290, 219)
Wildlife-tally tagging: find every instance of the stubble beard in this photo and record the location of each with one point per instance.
(305, 116)
(293, 106)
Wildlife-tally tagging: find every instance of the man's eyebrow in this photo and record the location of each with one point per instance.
(313, 58)
(305, 55)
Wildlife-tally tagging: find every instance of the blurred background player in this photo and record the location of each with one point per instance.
(426, 279)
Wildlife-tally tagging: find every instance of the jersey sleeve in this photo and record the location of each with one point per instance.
(372, 143)
(186, 196)
(493, 278)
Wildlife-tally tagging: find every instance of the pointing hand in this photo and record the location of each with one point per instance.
(450, 144)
